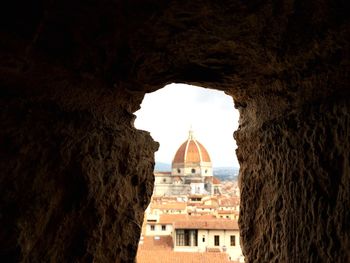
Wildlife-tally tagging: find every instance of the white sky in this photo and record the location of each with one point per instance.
(169, 113)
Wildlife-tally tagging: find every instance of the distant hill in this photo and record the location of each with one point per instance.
(226, 173)
(162, 167)
(223, 173)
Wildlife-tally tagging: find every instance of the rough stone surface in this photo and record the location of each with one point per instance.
(76, 186)
(77, 176)
(297, 183)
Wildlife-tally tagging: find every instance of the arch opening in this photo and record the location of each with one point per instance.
(196, 180)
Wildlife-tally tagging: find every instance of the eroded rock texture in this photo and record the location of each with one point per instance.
(77, 186)
(297, 184)
(76, 175)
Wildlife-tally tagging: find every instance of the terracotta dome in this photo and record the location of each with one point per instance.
(191, 151)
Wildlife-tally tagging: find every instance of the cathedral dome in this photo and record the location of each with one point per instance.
(191, 151)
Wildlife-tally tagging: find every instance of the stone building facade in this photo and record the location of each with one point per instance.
(191, 171)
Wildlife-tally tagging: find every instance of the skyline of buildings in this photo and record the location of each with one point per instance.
(192, 216)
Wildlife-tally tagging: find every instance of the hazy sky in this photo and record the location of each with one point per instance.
(169, 113)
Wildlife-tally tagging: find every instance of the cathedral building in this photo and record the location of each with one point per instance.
(191, 171)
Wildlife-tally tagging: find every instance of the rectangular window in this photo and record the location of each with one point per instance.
(152, 228)
(163, 227)
(185, 237)
(233, 241)
(194, 238)
(180, 237)
(216, 240)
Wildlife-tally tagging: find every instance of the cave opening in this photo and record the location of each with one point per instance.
(195, 181)
(76, 176)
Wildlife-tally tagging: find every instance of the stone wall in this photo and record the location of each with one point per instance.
(295, 186)
(76, 185)
(77, 176)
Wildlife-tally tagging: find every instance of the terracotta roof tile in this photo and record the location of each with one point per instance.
(156, 243)
(201, 212)
(207, 206)
(169, 206)
(226, 224)
(202, 217)
(171, 218)
(216, 180)
(144, 256)
(228, 212)
(233, 201)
